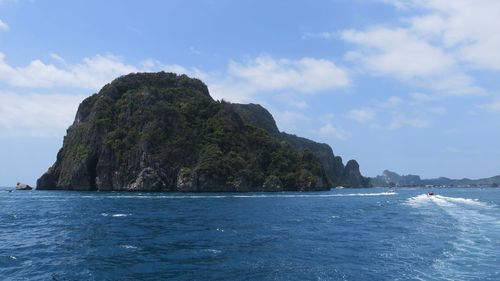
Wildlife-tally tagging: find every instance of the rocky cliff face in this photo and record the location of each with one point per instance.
(335, 171)
(351, 177)
(389, 178)
(163, 132)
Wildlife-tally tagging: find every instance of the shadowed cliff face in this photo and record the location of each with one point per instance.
(334, 170)
(163, 132)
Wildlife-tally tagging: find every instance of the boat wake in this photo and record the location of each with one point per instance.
(440, 200)
(474, 251)
(242, 196)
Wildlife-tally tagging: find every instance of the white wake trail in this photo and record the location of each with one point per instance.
(476, 243)
(243, 196)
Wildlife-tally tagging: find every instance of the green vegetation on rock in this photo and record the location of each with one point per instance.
(163, 132)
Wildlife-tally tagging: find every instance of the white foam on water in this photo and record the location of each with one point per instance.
(443, 201)
(418, 201)
(467, 201)
(476, 243)
(245, 196)
(390, 193)
(128, 247)
(114, 215)
(120, 215)
(212, 251)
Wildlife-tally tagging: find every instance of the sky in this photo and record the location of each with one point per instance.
(405, 85)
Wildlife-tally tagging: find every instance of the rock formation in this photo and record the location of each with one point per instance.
(22, 186)
(392, 179)
(163, 132)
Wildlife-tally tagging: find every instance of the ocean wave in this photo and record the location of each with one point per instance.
(128, 247)
(114, 215)
(418, 200)
(423, 199)
(120, 215)
(466, 201)
(212, 251)
(248, 196)
(474, 242)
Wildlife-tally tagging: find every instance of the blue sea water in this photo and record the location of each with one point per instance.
(348, 234)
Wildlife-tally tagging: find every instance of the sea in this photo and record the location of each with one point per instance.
(342, 234)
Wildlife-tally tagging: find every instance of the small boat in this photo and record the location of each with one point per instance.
(430, 193)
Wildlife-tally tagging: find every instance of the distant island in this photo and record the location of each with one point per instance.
(392, 179)
(164, 132)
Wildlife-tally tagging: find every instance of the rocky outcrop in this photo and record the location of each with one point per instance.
(22, 186)
(163, 132)
(335, 172)
(389, 178)
(392, 179)
(352, 177)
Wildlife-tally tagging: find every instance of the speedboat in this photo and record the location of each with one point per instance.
(430, 193)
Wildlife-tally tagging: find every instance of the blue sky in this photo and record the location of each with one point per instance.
(410, 86)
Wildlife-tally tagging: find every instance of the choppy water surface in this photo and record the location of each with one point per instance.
(362, 234)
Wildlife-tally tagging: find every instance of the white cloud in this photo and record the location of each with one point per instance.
(292, 100)
(440, 110)
(403, 54)
(329, 130)
(438, 44)
(306, 75)
(398, 52)
(362, 115)
(300, 104)
(494, 105)
(469, 26)
(57, 58)
(241, 82)
(395, 112)
(3, 26)
(321, 35)
(261, 74)
(417, 96)
(92, 73)
(399, 4)
(391, 102)
(40, 115)
(401, 120)
(291, 121)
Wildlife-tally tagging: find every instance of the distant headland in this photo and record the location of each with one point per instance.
(392, 179)
(164, 132)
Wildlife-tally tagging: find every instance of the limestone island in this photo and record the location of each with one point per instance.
(22, 186)
(164, 132)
